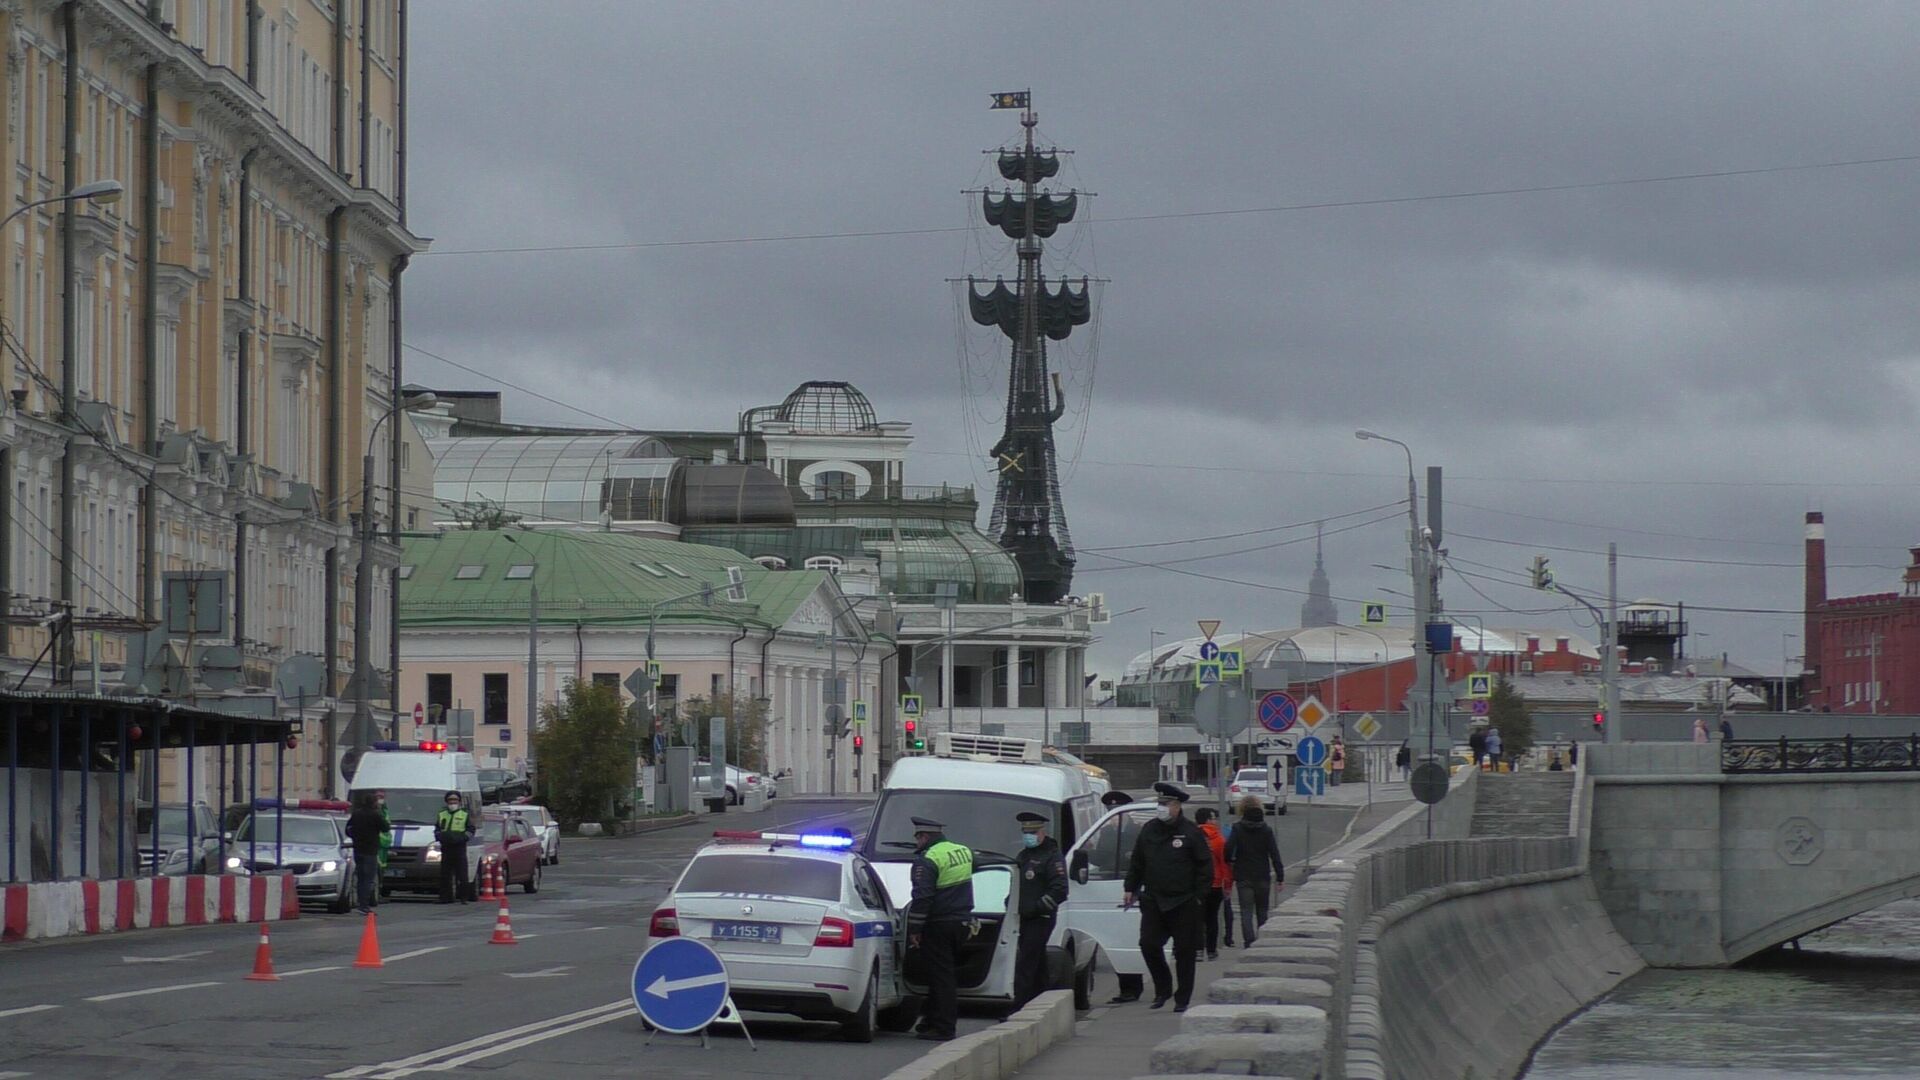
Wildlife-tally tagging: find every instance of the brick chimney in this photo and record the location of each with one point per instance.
(1533, 644)
(1815, 600)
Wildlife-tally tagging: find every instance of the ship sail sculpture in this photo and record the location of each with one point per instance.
(1028, 518)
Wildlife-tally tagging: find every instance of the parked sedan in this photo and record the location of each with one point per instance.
(545, 826)
(506, 839)
(740, 782)
(1256, 782)
(503, 785)
(311, 847)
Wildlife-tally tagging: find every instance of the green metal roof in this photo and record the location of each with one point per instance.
(461, 578)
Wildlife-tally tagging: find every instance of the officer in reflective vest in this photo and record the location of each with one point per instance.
(937, 918)
(454, 827)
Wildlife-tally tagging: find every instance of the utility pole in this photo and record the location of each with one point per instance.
(1610, 633)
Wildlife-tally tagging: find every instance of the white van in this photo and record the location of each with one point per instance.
(416, 781)
(975, 785)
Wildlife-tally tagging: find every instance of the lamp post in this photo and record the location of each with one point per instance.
(1785, 659)
(104, 192)
(533, 638)
(361, 737)
(1422, 581)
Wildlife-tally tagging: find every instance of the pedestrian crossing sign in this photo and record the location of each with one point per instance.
(910, 706)
(860, 713)
(1480, 684)
(653, 671)
(1373, 613)
(1207, 673)
(1232, 664)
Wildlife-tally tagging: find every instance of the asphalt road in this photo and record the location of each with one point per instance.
(174, 1003)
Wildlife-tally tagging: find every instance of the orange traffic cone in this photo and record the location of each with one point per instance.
(502, 926)
(490, 887)
(369, 946)
(263, 960)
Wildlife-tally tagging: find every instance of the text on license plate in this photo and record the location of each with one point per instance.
(746, 931)
(394, 871)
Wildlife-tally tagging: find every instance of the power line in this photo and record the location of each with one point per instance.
(1239, 551)
(1249, 532)
(516, 386)
(1282, 208)
(1636, 532)
(1671, 558)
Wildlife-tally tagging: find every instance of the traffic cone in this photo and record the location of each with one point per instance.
(502, 926)
(490, 885)
(369, 946)
(263, 960)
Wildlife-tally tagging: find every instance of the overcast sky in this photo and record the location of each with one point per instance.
(1684, 367)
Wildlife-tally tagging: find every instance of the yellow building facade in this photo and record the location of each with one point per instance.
(196, 369)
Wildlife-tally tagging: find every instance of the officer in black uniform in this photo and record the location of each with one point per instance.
(937, 922)
(1115, 798)
(1170, 872)
(1043, 888)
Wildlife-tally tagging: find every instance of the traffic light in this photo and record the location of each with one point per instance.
(914, 741)
(1542, 577)
(1599, 720)
(859, 745)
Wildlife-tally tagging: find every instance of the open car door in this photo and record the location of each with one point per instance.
(1097, 867)
(984, 970)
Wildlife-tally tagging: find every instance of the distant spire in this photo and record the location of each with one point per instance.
(1319, 609)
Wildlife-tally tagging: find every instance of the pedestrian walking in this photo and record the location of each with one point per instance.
(368, 829)
(1573, 753)
(1222, 880)
(937, 917)
(1477, 744)
(1726, 729)
(1253, 852)
(1403, 757)
(452, 829)
(1553, 763)
(1168, 877)
(1494, 748)
(1336, 761)
(1042, 874)
(1700, 729)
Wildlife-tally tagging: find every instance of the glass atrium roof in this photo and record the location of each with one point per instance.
(547, 479)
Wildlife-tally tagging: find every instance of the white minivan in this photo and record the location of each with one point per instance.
(416, 781)
(975, 785)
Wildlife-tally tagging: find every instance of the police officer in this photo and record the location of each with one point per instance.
(453, 828)
(1043, 888)
(1169, 875)
(937, 922)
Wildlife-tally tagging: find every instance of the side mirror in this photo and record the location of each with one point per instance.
(1079, 868)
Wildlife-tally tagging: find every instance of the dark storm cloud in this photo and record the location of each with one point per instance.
(1745, 330)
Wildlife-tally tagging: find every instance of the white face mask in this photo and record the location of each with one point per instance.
(1164, 813)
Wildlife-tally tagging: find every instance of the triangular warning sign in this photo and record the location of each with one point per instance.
(1208, 627)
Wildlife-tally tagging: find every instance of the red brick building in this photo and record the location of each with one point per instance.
(1863, 652)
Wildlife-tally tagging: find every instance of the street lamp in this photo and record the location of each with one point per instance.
(362, 734)
(1785, 659)
(104, 192)
(1417, 570)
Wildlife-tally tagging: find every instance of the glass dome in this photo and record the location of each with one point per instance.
(544, 479)
(732, 495)
(827, 408)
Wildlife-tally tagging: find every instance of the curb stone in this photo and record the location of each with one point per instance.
(998, 1051)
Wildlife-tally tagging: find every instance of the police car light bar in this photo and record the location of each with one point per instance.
(813, 840)
(302, 804)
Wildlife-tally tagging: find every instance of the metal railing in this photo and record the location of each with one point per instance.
(1844, 754)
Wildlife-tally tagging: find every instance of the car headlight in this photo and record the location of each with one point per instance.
(233, 862)
(433, 852)
(329, 866)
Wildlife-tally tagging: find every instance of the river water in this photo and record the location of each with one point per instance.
(1846, 1004)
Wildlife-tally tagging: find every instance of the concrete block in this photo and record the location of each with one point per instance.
(1303, 926)
(1263, 1019)
(1270, 992)
(1291, 952)
(1286, 1054)
(1246, 968)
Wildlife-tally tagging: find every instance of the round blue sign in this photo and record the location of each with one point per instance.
(1209, 651)
(1311, 751)
(1278, 711)
(679, 986)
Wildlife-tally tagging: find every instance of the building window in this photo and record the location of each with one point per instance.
(834, 485)
(608, 679)
(771, 562)
(469, 572)
(439, 692)
(669, 687)
(519, 571)
(830, 563)
(713, 687)
(406, 571)
(494, 695)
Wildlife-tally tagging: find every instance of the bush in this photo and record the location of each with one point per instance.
(586, 753)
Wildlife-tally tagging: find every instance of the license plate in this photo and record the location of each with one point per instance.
(394, 871)
(746, 931)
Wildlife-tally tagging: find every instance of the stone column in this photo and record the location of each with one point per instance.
(1013, 676)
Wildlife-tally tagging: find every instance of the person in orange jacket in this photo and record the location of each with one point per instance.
(1222, 877)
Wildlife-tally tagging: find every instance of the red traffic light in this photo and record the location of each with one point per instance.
(859, 742)
(910, 725)
(1599, 720)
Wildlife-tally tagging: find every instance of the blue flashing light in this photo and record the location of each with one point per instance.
(386, 746)
(825, 840)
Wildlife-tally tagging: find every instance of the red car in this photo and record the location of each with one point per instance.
(511, 842)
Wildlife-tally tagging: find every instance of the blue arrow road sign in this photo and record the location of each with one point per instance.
(1278, 711)
(1309, 781)
(1209, 651)
(680, 986)
(1311, 751)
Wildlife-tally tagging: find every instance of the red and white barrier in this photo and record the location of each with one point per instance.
(103, 906)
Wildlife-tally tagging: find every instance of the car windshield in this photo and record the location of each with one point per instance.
(298, 830)
(532, 815)
(1252, 774)
(493, 830)
(762, 875)
(173, 821)
(981, 820)
(494, 776)
(414, 807)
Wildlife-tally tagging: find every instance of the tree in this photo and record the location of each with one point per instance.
(746, 727)
(484, 514)
(585, 749)
(1509, 711)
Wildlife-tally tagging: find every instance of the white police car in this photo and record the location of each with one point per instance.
(803, 925)
(307, 838)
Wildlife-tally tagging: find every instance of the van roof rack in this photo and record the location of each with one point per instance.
(968, 746)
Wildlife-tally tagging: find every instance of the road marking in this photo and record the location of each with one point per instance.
(416, 952)
(543, 973)
(150, 990)
(614, 1008)
(25, 1009)
(163, 959)
(525, 937)
(9, 1075)
(621, 1013)
(310, 971)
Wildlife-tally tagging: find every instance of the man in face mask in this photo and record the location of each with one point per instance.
(937, 918)
(454, 827)
(1170, 872)
(1042, 873)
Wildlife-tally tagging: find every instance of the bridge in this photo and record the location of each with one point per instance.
(1706, 854)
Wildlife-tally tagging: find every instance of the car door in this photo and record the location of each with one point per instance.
(525, 852)
(1097, 866)
(880, 925)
